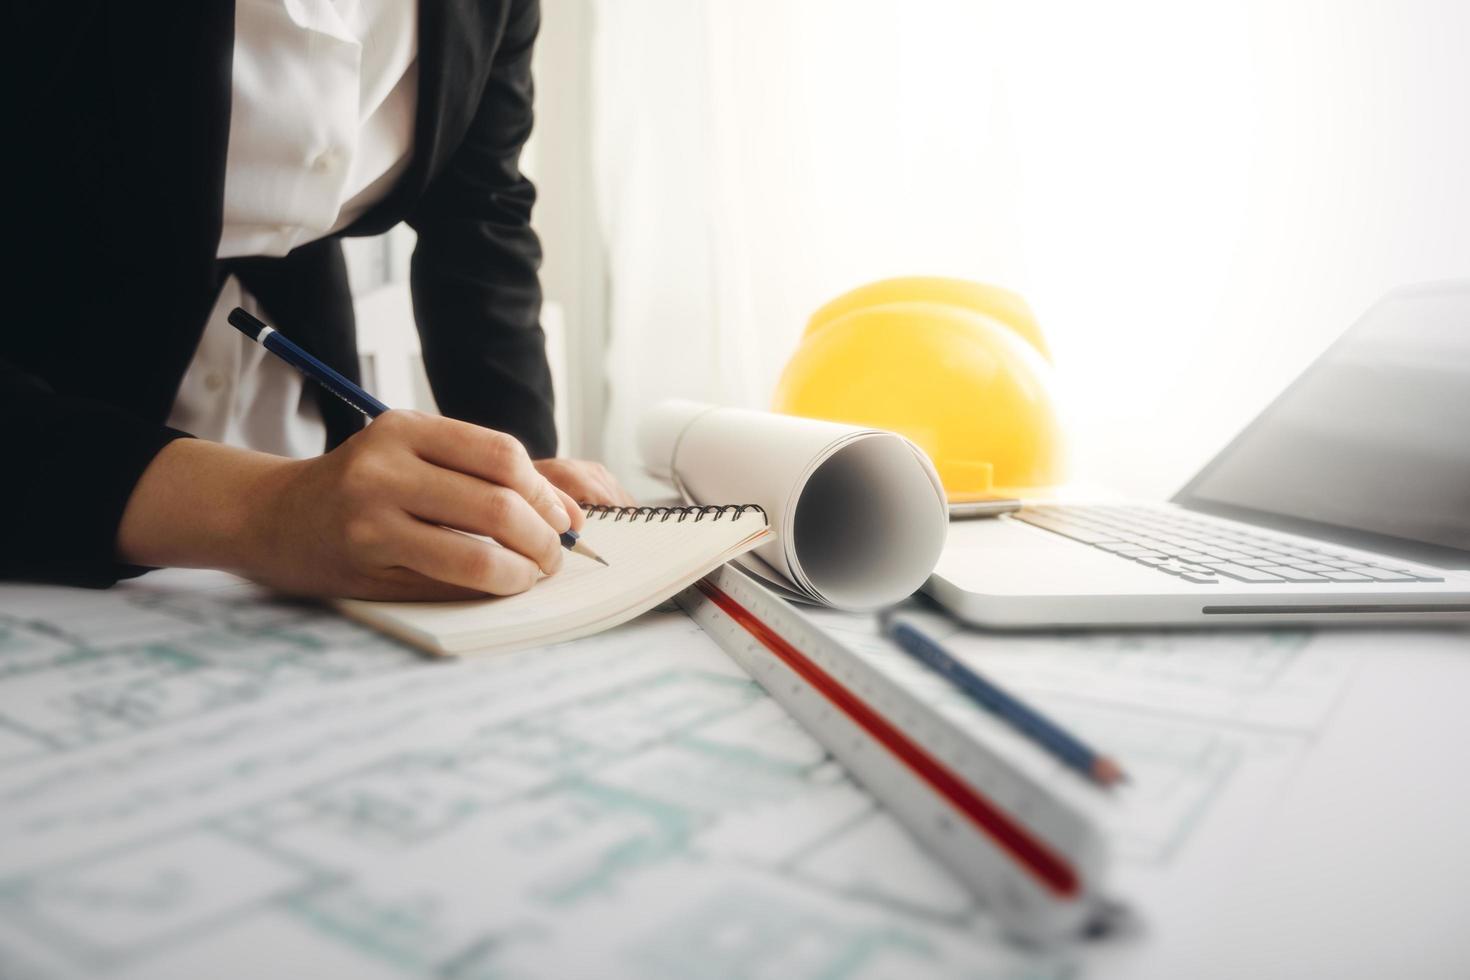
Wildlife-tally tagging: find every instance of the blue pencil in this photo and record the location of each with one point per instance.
(346, 389)
(338, 384)
(1010, 709)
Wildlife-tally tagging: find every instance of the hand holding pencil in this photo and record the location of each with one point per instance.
(378, 517)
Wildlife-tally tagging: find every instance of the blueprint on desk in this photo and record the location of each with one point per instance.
(1209, 727)
(197, 779)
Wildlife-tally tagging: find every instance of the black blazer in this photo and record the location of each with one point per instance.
(119, 123)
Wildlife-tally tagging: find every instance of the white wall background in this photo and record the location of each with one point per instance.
(1196, 197)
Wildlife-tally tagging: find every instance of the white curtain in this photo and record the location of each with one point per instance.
(1195, 197)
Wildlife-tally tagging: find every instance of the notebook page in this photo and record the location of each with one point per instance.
(649, 559)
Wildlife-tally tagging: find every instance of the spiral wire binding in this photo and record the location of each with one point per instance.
(647, 514)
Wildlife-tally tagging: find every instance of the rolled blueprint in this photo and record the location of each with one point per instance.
(859, 514)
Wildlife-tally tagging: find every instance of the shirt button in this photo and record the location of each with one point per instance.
(214, 381)
(326, 161)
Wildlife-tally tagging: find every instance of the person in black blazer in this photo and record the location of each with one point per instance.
(121, 131)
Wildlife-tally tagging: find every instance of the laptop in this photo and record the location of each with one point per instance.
(1346, 501)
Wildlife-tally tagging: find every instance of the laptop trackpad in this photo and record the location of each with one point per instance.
(1004, 557)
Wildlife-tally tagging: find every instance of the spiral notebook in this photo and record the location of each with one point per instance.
(652, 553)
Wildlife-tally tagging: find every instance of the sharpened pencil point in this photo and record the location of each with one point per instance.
(1108, 772)
(580, 548)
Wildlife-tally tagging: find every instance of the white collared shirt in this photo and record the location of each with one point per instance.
(321, 128)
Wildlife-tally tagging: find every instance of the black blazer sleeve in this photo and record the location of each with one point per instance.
(71, 466)
(79, 341)
(477, 298)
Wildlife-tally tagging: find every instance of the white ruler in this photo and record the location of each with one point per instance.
(1035, 860)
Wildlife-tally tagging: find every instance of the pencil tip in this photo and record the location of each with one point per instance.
(1108, 772)
(602, 560)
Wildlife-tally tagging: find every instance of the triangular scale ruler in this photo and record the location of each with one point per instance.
(1032, 858)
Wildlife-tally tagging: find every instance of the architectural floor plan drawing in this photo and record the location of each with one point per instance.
(197, 779)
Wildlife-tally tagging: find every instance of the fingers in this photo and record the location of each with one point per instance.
(441, 496)
(460, 560)
(591, 487)
(447, 474)
(611, 488)
(574, 512)
(624, 498)
(484, 453)
(586, 481)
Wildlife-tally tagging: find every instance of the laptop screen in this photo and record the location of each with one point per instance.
(1374, 437)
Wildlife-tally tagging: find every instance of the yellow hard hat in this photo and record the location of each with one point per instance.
(958, 367)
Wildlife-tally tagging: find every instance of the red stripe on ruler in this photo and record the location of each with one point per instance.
(1033, 855)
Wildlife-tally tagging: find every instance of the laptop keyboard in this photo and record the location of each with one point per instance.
(1197, 549)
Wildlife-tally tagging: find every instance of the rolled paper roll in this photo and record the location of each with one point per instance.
(860, 514)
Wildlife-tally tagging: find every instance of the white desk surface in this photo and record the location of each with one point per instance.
(197, 780)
